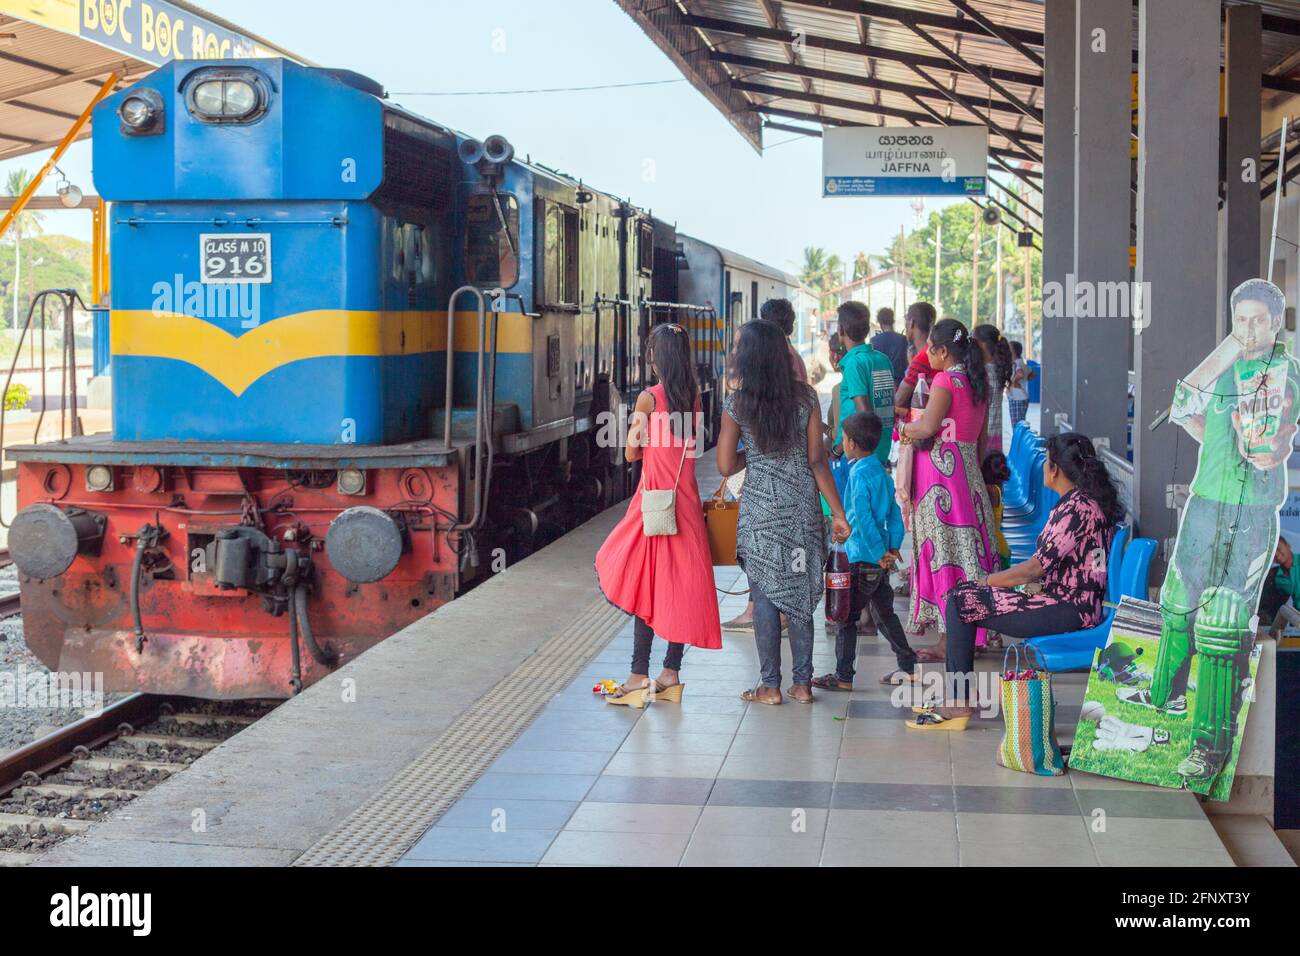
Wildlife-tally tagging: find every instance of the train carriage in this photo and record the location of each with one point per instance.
(359, 361)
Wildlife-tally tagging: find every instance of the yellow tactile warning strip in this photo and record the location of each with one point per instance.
(381, 830)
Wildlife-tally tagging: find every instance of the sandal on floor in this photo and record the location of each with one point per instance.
(751, 697)
(627, 696)
(932, 720)
(800, 700)
(636, 699)
(898, 677)
(928, 655)
(669, 695)
(832, 682)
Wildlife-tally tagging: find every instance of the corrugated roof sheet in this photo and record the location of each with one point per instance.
(895, 63)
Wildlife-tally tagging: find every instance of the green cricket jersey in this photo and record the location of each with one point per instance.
(1265, 393)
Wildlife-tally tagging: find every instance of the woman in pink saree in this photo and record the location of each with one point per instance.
(952, 517)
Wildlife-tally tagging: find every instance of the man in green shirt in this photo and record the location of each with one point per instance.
(1242, 404)
(868, 377)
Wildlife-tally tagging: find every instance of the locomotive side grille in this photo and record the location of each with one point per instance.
(416, 173)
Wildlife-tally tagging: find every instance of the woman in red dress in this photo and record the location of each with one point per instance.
(664, 581)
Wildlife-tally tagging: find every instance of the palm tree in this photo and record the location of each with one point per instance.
(814, 267)
(27, 224)
(834, 277)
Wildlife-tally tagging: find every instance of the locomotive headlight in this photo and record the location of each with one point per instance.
(210, 98)
(99, 478)
(140, 112)
(241, 98)
(224, 96)
(352, 481)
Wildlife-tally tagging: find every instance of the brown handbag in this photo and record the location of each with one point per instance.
(720, 518)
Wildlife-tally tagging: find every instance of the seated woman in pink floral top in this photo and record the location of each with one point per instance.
(1066, 577)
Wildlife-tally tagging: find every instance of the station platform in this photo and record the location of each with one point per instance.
(717, 782)
(473, 738)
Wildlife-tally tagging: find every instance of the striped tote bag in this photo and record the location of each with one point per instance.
(1029, 715)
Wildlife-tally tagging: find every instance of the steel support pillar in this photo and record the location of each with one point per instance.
(1057, 352)
(1103, 172)
(1243, 64)
(1178, 218)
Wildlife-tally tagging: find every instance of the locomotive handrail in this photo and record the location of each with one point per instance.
(484, 393)
(684, 306)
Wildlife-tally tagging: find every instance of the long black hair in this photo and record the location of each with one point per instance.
(961, 345)
(767, 397)
(1004, 360)
(1077, 457)
(669, 348)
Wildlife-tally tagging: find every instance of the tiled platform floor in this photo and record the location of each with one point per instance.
(715, 781)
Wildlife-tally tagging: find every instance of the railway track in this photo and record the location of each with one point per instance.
(64, 783)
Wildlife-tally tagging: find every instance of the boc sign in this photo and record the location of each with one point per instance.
(155, 31)
(905, 161)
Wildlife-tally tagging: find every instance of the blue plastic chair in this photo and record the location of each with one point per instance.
(1033, 521)
(1115, 582)
(1015, 493)
(1014, 509)
(1024, 540)
(1027, 523)
(1021, 436)
(1061, 653)
(1019, 453)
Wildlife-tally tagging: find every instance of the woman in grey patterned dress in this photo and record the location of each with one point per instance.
(780, 538)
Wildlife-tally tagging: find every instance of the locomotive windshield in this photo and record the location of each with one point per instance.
(492, 240)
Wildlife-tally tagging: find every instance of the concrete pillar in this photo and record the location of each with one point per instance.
(1178, 180)
(1243, 65)
(1058, 211)
(1103, 169)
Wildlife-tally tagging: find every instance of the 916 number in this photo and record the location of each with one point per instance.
(237, 258)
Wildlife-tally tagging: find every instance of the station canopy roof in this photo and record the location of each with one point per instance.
(904, 62)
(56, 54)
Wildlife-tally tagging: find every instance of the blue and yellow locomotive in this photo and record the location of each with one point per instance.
(358, 360)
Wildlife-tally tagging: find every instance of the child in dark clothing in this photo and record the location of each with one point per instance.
(873, 552)
(997, 473)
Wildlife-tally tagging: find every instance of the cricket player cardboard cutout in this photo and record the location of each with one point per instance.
(1241, 405)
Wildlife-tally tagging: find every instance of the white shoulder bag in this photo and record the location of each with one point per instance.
(659, 508)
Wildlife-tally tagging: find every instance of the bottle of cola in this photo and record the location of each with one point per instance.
(839, 586)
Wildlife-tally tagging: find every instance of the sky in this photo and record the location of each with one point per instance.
(664, 147)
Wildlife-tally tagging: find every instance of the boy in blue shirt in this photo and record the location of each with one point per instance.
(873, 552)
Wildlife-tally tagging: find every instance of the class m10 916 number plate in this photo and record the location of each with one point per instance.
(236, 257)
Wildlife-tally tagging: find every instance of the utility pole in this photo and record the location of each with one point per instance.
(938, 262)
(902, 247)
(18, 269)
(1029, 307)
(975, 274)
(998, 319)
